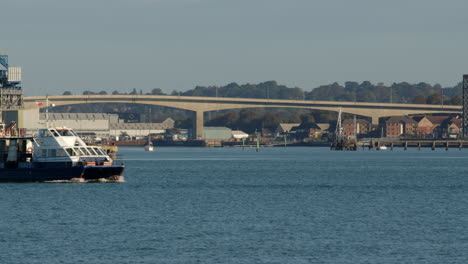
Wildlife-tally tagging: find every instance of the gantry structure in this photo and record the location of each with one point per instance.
(11, 93)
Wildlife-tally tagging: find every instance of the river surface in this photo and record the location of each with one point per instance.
(228, 205)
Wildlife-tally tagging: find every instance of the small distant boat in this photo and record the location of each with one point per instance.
(149, 146)
(383, 147)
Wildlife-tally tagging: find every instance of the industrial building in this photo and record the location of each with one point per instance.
(100, 124)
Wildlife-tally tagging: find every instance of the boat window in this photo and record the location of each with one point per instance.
(45, 133)
(65, 133)
(52, 153)
(85, 151)
(79, 151)
(61, 153)
(70, 152)
(91, 150)
(54, 132)
(42, 153)
(38, 141)
(103, 152)
(97, 151)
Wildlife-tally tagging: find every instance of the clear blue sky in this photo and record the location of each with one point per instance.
(178, 44)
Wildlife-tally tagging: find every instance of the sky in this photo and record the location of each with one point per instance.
(107, 45)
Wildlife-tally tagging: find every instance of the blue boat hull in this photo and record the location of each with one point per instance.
(36, 174)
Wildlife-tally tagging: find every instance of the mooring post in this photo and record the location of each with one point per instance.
(433, 145)
(419, 145)
(447, 145)
(406, 145)
(391, 146)
(460, 146)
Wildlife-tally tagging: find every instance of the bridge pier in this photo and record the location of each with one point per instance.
(375, 120)
(198, 125)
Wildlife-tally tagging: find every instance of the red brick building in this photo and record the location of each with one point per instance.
(397, 126)
(431, 126)
(362, 127)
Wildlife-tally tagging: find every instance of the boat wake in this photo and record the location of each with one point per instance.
(81, 180)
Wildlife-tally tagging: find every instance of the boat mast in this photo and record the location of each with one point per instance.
(47, 111)
(355, 127)
(339, 129)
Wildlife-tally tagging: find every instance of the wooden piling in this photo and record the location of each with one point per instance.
(433, 145)
(406, 145)
(447, 146)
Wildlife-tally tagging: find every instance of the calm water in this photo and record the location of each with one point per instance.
(294, 205)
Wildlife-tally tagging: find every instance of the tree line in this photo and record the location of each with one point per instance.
(420, 93)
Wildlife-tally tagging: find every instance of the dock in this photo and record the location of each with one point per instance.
(405, 144)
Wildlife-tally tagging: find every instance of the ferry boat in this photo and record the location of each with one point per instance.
(55, 154)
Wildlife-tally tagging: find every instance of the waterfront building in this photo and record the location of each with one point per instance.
(306, 130)
(284, 128)
(83, 123)
(396, 126)
(431, 126)
(140, 130)
(362, 127)
(217, 133)
(455, 127)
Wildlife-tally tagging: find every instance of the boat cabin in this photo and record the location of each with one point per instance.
(51, 145)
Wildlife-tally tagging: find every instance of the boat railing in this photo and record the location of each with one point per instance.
(118, 160)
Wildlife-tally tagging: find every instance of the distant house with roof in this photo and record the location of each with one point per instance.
(454, 127)
(306, 130)
(324, 126)
(431, 125)
(397, 126)
(362, 127)
(285, 128)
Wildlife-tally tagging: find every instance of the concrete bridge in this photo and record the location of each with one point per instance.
(199, 105)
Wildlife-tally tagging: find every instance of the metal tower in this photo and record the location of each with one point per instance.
(465, 106)
(11, 94)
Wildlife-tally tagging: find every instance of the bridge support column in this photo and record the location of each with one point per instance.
(375, 120)
(198, 125)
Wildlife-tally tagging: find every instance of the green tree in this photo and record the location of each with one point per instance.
(156, 91)
(435, 98)
(307, 119)
(456, 100)
(419, 99)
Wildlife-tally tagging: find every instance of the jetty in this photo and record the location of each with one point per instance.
(405, 144)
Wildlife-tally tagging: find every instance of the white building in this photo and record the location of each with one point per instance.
(102, 125)
(140, 130)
